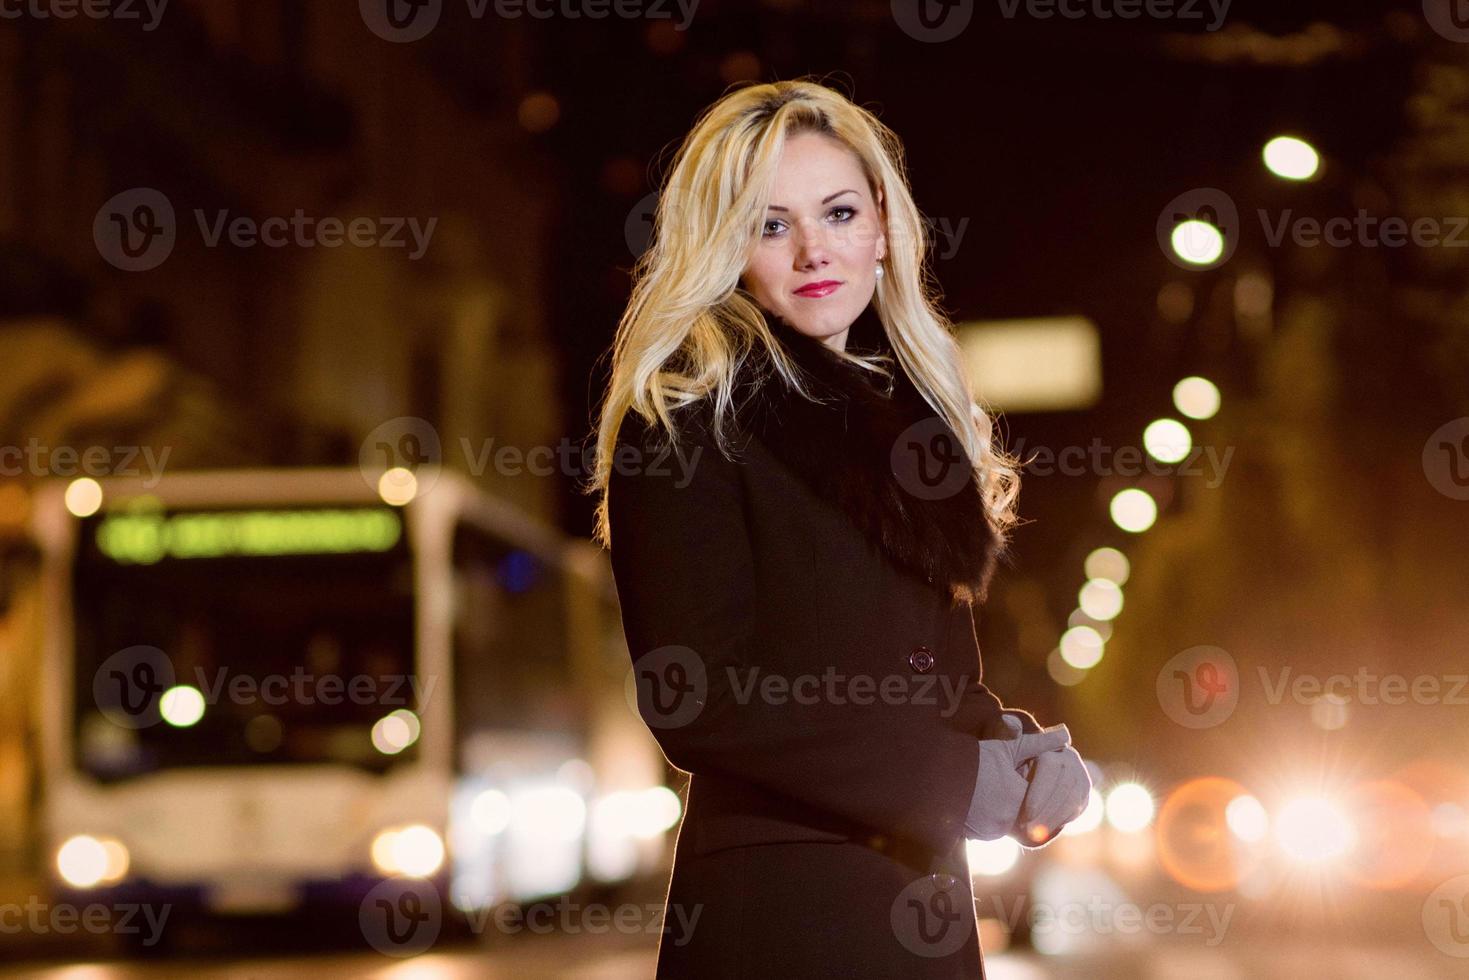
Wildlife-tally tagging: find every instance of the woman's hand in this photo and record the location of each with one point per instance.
(1001, 790)
(1060, 788)
(1031, 784)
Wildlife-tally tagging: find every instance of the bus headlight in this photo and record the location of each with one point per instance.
(416, 851)
(85, 861)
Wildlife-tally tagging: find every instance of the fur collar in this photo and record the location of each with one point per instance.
(846, 447)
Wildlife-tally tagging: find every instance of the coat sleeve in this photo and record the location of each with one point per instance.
(683, 564)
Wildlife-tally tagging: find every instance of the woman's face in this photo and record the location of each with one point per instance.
(822, 226)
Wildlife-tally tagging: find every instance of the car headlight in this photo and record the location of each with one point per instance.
(416, 850)
(85, 861)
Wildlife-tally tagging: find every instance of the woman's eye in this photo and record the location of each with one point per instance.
(840, 213)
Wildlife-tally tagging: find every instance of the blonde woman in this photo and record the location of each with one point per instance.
(803, 504)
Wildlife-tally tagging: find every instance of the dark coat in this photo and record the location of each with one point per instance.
(801, 624)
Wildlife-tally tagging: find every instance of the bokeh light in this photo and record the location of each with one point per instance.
(1291, 158)
(1134, 510)
(1129, 807)
(1196, 397)
(1108, 563)
(1167, 440)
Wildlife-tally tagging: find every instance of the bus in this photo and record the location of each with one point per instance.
(266, 689)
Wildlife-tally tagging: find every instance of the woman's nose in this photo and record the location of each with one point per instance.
(811, 250)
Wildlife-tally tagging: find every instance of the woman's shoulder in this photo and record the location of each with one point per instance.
(693, 424)
(654, 482)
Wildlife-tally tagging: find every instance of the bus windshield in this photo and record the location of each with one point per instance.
(244, 638)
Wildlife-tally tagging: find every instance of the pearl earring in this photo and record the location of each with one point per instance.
(879, 272)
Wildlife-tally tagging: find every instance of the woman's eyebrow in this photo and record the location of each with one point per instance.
(777, 207)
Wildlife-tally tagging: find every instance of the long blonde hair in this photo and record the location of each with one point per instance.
(688, 324)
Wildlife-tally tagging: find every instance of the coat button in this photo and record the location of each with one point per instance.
(921, 660)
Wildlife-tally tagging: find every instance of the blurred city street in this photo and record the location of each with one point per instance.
(1224, 938)
(589, 958)
(314, 358)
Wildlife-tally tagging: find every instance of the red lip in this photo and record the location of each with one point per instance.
(823, 288)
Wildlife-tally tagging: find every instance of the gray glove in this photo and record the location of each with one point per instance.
(1001, 789)
(1059, 790)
